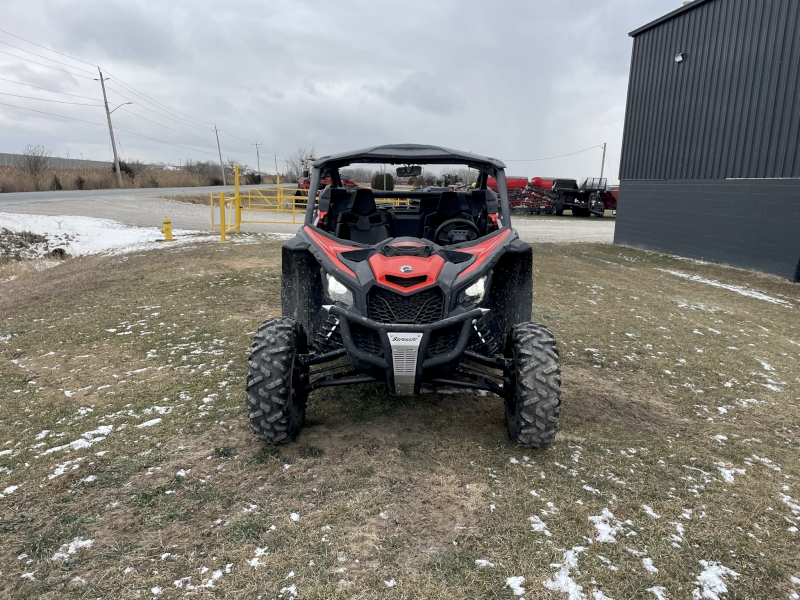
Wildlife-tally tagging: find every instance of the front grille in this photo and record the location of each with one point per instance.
(421, 308)
(366, 340)
(444, 340)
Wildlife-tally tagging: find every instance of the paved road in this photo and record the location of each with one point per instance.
(145, 208)
(34, 197)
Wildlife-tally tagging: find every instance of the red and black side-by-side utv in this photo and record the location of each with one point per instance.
(432, 289)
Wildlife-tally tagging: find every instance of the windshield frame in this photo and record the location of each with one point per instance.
(320, 170)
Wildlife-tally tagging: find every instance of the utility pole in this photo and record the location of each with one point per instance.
(604, 160)
(110, 129)
(221, 166)
(258, 157)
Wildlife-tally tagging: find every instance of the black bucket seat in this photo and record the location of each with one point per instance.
(450, 207)
(362, 222)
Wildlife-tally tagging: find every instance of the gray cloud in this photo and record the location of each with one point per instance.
(515, 79)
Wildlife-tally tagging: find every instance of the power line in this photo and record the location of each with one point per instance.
(58, 62)
(48, 90)
(234, 137)
(46, 100)
(48, 49)
(134, 91)
(130, 112)
(165, 116)
(44, 65)
(127, 87)
(552, 157)
(147, 137)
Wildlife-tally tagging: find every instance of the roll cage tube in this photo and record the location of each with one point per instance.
(316, 177)
(501, 187)
(313, 187)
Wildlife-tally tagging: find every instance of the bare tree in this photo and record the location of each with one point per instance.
(297, 161)
(34, 162)
(360, 174)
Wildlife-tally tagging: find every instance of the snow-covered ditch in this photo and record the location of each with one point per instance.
(80, 236)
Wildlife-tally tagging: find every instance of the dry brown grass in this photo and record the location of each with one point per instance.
(13, 179)
(412, 490)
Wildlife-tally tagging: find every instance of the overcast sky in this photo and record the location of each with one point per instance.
(511, 79)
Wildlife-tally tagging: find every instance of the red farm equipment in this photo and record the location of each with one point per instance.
(531, 197)
(544, 195)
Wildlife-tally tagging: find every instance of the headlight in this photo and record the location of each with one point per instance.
(473, 294)
(338, 291)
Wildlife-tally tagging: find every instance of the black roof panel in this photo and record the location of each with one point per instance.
(404, 154)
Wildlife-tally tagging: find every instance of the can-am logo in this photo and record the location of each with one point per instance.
(406, 269)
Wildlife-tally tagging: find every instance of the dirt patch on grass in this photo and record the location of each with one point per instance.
(602, 403)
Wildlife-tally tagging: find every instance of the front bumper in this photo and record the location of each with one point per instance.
(441, 344)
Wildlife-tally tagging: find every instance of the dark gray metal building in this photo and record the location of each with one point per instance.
(710, 164)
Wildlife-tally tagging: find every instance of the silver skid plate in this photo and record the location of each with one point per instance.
(405, 350)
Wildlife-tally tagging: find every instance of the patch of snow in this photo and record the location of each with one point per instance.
(538, 525)
(291, 590)
(294, 517)
(149, 423)
(80, 236)
(515, 583)
(482, 562)
(727, 474)
(255, 562)
(594, 491)
(726, 286)
(659, 592)
(87, 439)
(9, 490)
(561, 580)
(650, 511)
(390, 583)
(69, 465)
(71, 548)
(710, 582)
(648, 565)
(607, 527)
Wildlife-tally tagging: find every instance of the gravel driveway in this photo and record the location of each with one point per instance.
(149, 211)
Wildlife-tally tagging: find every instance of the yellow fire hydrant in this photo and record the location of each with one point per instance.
(167, 230)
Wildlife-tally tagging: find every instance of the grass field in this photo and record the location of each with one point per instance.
(128, 470)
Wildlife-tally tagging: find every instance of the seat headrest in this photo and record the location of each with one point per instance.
(330, 195)
(363, 202)
(429, 203)
(449, 205)
(478, 195)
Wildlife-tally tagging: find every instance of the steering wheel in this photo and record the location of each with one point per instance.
(444, 231)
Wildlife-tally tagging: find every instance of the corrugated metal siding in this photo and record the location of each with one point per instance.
(731, 109)
(753, 224)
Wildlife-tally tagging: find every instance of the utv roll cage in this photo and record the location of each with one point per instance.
(407, 154)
